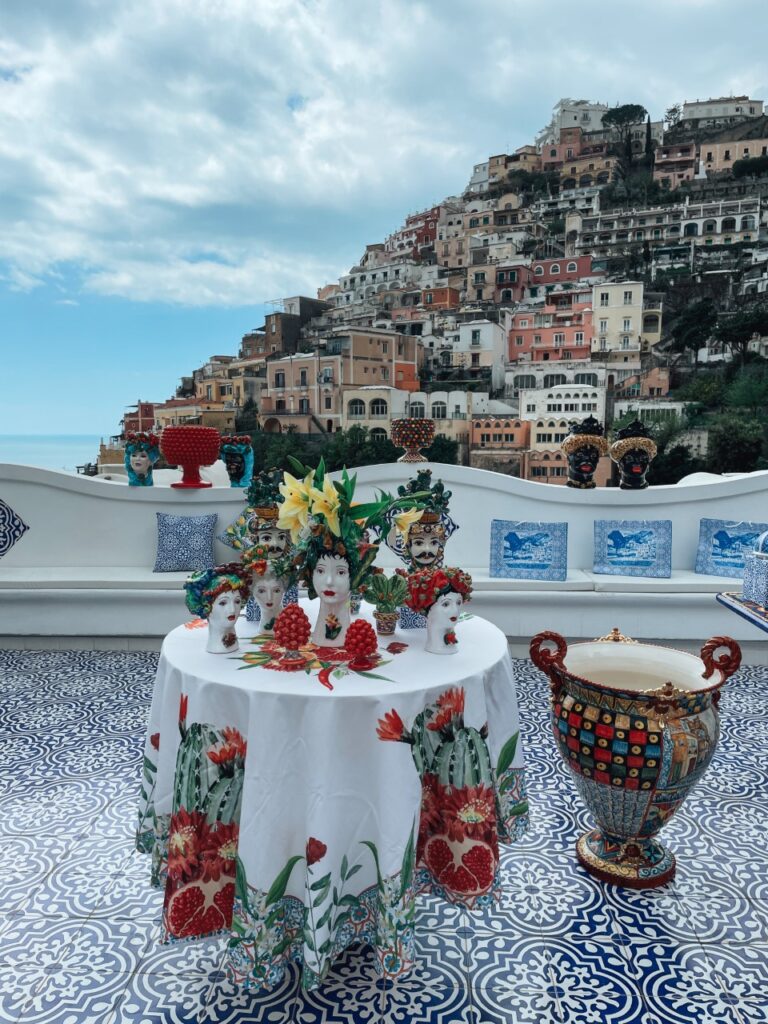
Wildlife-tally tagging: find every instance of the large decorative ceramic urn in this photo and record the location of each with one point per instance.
(190, 447)
(412, 435)
(637, 725)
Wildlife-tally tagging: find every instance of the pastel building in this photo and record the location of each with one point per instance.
(574, 401)
(558, 329)
(745, 141)
(498, 442)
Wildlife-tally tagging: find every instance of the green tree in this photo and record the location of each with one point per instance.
(672, 464)
(673, 115)
(735, 445)
(247, 420)
(749, 389)
(706, 388)
(622, 119)
(736, 330)
(648, 137)
(694, 327)
(756, 165)
(443, 449)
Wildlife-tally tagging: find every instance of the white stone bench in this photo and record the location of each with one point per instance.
(84, 569)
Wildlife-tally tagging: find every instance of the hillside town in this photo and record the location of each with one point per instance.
(616, 267)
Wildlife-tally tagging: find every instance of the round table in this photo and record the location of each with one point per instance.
(302, 818)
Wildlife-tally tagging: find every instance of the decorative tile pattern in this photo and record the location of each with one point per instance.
(723, 545)
(633, 547)
(184, 542)
(79, 924)
(12, 528)
(529, 551)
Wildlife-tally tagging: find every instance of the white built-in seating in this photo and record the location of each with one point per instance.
(84, 569)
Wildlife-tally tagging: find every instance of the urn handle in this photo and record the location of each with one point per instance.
(545, 659)
(727, 663)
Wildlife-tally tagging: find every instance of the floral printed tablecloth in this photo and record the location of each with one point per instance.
(298, 819)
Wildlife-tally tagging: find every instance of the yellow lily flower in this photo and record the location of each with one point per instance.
(326, 503)
(404, 520)
(294, 511)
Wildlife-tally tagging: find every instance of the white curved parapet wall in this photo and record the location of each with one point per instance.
(84, 568)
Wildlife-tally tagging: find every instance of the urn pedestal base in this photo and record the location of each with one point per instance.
(630, 863)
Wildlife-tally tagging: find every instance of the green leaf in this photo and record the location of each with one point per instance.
(309, 939)
(321, 883)
(348, 901)
(372, 675)
(507, 754)
(353, 870)
(321, 896)
(344, 866)
(282, 945)
(340, 920)
(372, 847)
(325, 947)
(323, 920)
(278, 887)
(335, 896)
(406, 874)
(237, 926)
(241, 883)
(521, 808)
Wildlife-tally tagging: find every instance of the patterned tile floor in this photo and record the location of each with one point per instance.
(78, 922)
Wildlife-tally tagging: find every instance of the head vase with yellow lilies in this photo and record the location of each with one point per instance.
(324, 520)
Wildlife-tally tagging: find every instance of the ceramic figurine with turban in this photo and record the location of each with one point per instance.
(237, 453)
(633, 450)
(218, 595)
(141, 453)
(583, 447)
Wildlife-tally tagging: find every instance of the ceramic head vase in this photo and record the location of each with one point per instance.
(237, 454)
(141, 453)
(583, 447)
(637, 726)
(633, 450)
(218, 595)
(419, 540)
(329, 528)
(439, 594)
(270, 579)
(263, 512)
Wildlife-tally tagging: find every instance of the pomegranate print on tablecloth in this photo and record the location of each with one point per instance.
(464, 811)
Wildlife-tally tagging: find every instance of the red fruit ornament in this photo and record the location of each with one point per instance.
(361, 644)
(292, 631)
(199, 908)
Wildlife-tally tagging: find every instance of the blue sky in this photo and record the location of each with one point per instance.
(168, 166)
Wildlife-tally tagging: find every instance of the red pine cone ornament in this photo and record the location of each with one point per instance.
(361, 639)
(292, 628)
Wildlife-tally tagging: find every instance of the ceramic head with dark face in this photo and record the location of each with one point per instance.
(633, 450)
(583, 447)
(237, 454)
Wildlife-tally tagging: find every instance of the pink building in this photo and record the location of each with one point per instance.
(553, 271)
(561, 329)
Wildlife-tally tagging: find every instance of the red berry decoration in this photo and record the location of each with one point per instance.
(361, 640)
(292, 628)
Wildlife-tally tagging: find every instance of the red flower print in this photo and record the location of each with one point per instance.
(220, 856)
(315, 851)
(390, 727)
(363, 664)
(450, 637)
(450, 705)
(187, 839)
(396, 647)
(183, 702)
(469, 812)
(234, 746)
(154, 739)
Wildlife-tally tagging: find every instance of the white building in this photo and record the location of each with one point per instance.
(536, 375)
(723, 111)
(480, 178)
(572, 401)
(569, 113)
(362, 283)
(585, 200)
(650, 409)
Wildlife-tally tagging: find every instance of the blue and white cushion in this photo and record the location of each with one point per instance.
(184, 543)
(12, 528)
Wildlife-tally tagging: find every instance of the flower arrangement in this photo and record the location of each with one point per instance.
(259, 561)
(142, 442)
(427, 585)
(324, 520)
(203, 587)
(264, 493)
(235, 441)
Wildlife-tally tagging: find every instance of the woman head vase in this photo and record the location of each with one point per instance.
(237, 454)
(218, 595)
(141, 453)
(583, 447)
(270, 578)
(263, 512)
(633, 450)
(439, 595)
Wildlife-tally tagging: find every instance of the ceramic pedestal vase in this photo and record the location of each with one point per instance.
(637, 725)
(413, 434)
(190, 447)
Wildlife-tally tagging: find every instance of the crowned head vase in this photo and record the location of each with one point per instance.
(218, 595)
(633, 450)
(141, 453)
(237, 453)
(637, 725)
(439, 595)
(190, 447)
(412, 435)
(583, 447)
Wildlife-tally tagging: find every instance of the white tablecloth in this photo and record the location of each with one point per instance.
(303, 819)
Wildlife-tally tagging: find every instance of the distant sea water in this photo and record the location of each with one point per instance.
(50, 451)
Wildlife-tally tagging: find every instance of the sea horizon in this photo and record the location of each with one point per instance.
(51, 451)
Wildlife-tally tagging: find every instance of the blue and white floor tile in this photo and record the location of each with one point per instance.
(79, 923)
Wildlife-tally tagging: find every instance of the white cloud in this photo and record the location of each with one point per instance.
(200, 152)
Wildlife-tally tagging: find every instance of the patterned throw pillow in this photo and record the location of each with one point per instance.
(184, 543)
(12, 528)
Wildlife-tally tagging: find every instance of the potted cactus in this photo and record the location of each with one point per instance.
(387, 593)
